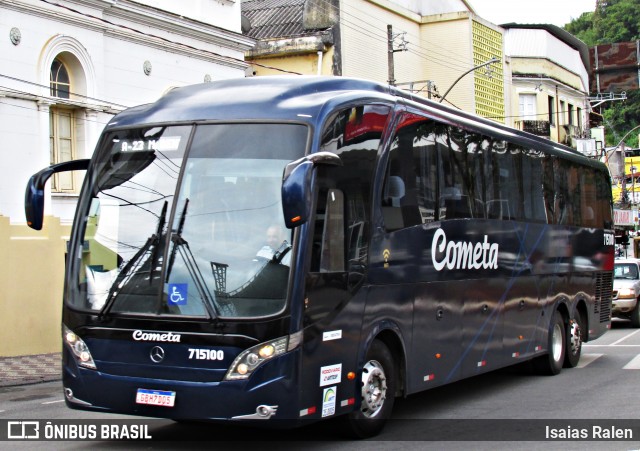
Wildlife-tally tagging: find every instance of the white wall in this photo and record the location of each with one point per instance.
(534, 43)
(221, 13)
(426, 8)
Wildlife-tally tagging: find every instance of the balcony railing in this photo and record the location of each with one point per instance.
(540, 128)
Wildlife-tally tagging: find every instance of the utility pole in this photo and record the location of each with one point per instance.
(402, 47)
(391, 80)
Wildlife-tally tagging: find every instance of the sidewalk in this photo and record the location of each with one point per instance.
(30, 369)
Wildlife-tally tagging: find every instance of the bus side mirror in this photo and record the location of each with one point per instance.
(34, 194)
(296, 186)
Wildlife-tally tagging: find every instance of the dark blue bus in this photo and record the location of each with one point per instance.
(301, 248)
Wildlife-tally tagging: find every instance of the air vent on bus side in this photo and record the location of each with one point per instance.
(604, 291)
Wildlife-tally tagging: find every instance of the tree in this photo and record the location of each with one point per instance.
(613, 21)
(583, 29)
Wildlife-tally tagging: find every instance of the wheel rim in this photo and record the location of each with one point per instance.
(374, 388)
(575, 337)
(556, 342)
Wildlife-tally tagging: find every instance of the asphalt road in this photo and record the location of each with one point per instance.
(507, 409)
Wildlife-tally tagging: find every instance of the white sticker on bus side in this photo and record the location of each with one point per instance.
(332, 335)
(331, 374)
(329, 401)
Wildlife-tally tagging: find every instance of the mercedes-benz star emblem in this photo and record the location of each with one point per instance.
(157, 354)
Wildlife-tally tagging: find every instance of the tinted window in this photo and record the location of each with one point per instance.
(438, 171)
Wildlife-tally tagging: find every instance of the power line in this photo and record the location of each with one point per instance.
(55, 113)
(48, 87)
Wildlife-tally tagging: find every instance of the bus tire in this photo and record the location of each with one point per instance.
(377, 389)
(551, 363)
(574, 342)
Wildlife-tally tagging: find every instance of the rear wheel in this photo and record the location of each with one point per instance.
(552, 362)
(377, 390)
(575, 338)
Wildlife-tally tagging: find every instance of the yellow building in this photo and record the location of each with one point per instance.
(435, 46)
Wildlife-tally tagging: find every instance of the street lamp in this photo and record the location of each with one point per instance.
(491, 61)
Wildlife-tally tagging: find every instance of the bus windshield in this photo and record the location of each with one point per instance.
(188, 221)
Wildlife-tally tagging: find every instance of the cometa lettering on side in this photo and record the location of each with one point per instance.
(463, 255)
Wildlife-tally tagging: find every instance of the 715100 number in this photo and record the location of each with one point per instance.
(206, 354)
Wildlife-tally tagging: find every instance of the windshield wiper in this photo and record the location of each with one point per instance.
(156, 243)
(182, 246)
(125, 272)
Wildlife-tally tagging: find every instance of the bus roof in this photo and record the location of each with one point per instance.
(270, 97)
(303, 98)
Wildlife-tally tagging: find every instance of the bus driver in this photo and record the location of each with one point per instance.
(275, 246)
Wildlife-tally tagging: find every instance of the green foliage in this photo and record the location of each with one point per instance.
(618, 21)
(621, 118)
(583, 29)
(613, 21)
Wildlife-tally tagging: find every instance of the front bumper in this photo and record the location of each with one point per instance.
(621, 307)
(271, 393)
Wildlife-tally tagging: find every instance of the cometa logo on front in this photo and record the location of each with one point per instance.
(462, 254)
(139, 335)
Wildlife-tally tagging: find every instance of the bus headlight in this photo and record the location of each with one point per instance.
(252, 358)
(78, 348)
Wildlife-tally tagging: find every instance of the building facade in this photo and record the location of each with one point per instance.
(66, 68)
(550, 82)
(423, 46)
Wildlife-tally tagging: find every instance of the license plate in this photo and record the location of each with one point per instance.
(155, 397)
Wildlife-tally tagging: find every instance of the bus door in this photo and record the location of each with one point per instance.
(337, 246)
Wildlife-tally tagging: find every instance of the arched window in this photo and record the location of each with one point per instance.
(65, 65)
(59, 80)
(61, 127)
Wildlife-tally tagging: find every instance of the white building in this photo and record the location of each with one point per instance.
(66, 66)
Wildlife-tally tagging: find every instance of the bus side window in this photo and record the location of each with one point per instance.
(401, 191)
(548, 188)
(562, 199)
(458, 194)
(328, 252)
(332, 258)
(604, 204)
(532, 186)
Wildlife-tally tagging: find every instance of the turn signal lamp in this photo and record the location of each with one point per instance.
(78, 348)
(247, 362)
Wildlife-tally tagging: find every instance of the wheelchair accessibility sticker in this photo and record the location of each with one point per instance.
(177, 294)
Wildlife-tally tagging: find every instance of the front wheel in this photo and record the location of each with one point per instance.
(551, 363)
(377, 390)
